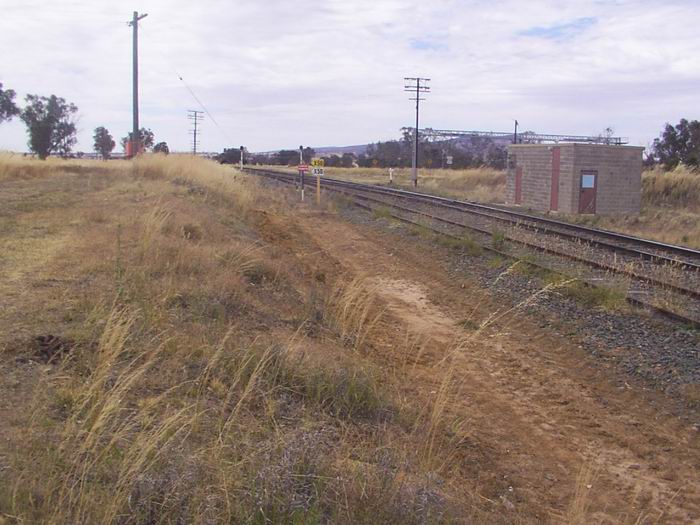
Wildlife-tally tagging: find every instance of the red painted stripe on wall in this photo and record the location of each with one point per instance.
(518, 185)
(556, 168)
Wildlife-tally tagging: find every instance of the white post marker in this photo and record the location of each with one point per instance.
(391, 175)
(317, 169)
(303, 168)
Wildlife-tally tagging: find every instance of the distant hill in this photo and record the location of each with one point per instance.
(339, 150)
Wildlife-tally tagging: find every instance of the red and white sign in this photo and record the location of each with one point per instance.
(303, 167)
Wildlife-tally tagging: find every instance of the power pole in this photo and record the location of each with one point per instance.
(196, 117)
(413, 85)
(515, 133)
(135, 136)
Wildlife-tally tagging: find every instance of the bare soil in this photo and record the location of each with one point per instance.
(539, 408)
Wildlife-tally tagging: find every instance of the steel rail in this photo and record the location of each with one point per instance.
(290, 179)
(517, 218)
(596, 264)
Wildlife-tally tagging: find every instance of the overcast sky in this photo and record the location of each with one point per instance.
(279, 73)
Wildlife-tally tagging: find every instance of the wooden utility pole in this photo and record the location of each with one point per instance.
(413, 85)
(196, 117)
(135, 136)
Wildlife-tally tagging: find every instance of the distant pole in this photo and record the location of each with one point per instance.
(515, 133)
(196, 117)
(241, 158)
(413, 85)
(301, 171)
(135, 136)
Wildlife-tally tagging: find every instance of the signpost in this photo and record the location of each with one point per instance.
(317, 169)
(303, 168)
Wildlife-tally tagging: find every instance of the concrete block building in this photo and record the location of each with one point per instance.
(575, 178)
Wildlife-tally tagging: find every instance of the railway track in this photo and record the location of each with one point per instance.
(659, 277)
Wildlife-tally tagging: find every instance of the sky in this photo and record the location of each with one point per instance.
(277, 74)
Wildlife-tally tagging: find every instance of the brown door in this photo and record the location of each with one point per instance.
(586, 200)
(518, 185)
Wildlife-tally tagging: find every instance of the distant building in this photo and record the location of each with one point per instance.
(575, 178)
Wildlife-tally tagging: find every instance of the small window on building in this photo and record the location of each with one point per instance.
(588, 179)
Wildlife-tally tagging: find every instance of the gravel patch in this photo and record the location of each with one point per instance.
(664, 354)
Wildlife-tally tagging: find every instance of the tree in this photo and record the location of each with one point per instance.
(104, 143)
(161, 147)
(232, 156)
(496, 157)
(146, 137)
(49, 125)
(678, 144)
(8, 108)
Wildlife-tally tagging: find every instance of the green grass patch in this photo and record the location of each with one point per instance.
(496, 262)
(382, 213)
(418, 230)
(529, 267)
(609, 298)
(465, 244)
(498, 240)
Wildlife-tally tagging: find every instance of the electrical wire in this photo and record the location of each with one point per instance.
(167, 61)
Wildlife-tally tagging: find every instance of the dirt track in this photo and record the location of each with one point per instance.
(541, 414)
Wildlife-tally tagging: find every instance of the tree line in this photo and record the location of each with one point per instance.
(51, 126)
(52, 130)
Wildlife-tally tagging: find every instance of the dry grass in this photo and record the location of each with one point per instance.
(678, 189)
(211, 376)
(350, 312)
(478, 184)
(14, 166)
(189, 390)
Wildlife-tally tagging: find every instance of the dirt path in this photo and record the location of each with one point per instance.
(543, 416)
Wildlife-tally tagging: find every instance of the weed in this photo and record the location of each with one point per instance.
(191, 232)
(498, 240)
(419, 230)
(610, 298)
(529, 267)
(496, 262)
(464, 243)
(382, 212)
(342, 202)
(259, 272)
(468, 324)
(350, 312)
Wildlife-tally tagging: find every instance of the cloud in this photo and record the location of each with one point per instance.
(561, 31)
(427, 44)
(278, 74)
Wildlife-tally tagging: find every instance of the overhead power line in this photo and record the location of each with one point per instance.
(167, 61)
